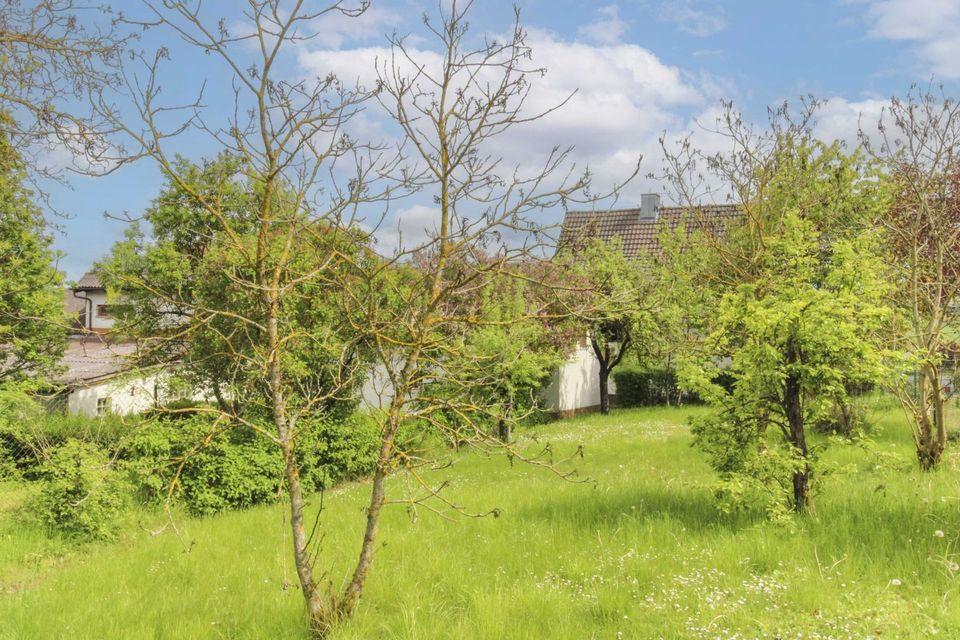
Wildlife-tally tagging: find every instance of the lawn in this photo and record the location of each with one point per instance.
(640, 551)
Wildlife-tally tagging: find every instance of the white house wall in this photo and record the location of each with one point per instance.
(573, 388)
(127, 396)
(377, 391)
(576, 385)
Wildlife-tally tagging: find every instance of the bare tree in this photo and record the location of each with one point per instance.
(452, 114)
(919, 144)
(245, 277)
(271, 273)
(53, 55)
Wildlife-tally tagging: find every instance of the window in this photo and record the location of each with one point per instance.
(103, 406)
(104, 310)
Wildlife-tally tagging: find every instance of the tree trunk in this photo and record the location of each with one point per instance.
(504, 431)
(320, 618)
(604, 389)
(608, 361)
(931, 436)
(793, 406)
(351, 596)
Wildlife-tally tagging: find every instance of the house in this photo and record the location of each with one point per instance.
(97, 377)
(89, 299)
(575, 387)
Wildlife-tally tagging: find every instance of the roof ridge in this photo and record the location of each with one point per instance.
(661, 208)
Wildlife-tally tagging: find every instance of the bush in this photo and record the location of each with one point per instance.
(647, 387)
(334, 451)
(16, 411)
(845, 418)
(239, 467)
(81, 494)
(28, 438)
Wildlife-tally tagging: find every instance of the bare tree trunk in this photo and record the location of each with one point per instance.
(931, 436)
(354, 590)
(320, 620)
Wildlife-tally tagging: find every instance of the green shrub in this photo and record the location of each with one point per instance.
(238, 467)
(29, 438)
(333, 451)
(17, 410)
(846, 418)
(81, 494)
(647, 387)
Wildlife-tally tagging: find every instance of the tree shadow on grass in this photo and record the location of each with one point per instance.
(692, 508)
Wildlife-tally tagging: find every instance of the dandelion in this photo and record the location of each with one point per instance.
(938, 533)
(896, 582)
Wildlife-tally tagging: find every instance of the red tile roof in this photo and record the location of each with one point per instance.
(640, 237)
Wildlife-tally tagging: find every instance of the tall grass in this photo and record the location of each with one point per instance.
(640, 551)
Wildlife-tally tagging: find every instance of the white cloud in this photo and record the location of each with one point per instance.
(842, 119)
(410, 228)
(623, 98)
(692, 19)
(335, 29)
(608, 28)
(933, 25)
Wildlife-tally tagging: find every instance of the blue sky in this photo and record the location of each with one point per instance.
(643, 67)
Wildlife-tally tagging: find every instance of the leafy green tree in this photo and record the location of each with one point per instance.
(617, 302)
(32, 320)
(173, 289)
(799, 290)
(796, 337)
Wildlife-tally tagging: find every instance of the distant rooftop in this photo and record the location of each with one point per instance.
(639, 234)
(89, 281)
(93, 358)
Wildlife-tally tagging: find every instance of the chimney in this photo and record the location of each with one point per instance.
(649, 207)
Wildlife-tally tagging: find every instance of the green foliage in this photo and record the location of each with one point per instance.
(213, 467)
(337, 450)
(32, 319)
(647, 387)
(17, 410)
(797, 327)
(188, 289)
(644, 552)
(29, 435)
(82, 495)
(617, 301)
(497, 362)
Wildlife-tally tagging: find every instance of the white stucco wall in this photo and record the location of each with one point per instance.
(127, 396)
(576, 385)
(377, 392)
(99, 322)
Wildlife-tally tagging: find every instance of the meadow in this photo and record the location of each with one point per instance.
(641, 550)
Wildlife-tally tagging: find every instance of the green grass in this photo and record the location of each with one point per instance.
(641, 552)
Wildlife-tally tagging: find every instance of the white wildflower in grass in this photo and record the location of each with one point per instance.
(938, 533)
(896, 582)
